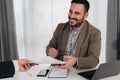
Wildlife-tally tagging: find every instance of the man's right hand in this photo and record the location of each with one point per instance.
(52, 52)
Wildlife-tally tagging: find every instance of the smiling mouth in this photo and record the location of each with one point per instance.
(72, 21)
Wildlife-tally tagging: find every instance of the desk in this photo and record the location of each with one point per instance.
(34, 71)
(31, 75)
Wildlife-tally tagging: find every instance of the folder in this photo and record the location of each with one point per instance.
(56, 72)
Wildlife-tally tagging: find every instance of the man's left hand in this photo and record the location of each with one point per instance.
(71, 61)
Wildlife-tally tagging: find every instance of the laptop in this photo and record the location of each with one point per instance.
(103, 71)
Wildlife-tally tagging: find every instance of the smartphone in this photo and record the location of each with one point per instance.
(43, 73)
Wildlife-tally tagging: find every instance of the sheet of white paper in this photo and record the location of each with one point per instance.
(49, 60)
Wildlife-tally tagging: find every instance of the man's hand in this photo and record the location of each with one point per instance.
(71, 61)
(52, 52)
(25, 64)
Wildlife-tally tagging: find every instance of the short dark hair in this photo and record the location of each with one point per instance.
(85, 2)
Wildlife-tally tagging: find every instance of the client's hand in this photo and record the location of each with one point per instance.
(25, 64)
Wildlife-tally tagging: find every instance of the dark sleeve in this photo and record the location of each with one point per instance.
(6, 69)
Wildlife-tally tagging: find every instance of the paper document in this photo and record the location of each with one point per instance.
(49, 60)
(56, 72)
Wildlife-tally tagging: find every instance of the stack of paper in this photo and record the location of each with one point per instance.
(49, 60)
(58, 73)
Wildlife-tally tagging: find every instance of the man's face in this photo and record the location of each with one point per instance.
(77, 14)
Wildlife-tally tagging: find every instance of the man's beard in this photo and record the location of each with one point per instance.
(77, 24)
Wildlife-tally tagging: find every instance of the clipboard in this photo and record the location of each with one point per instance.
(58, 73)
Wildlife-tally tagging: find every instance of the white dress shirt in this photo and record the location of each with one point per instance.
(16, 66)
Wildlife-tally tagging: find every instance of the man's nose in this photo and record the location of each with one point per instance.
(72, 16)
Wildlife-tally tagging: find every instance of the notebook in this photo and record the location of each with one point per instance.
(56, 72)
(103, 71)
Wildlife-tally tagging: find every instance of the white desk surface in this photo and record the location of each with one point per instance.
(31, 75)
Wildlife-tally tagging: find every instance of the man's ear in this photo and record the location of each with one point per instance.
(86, 15)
